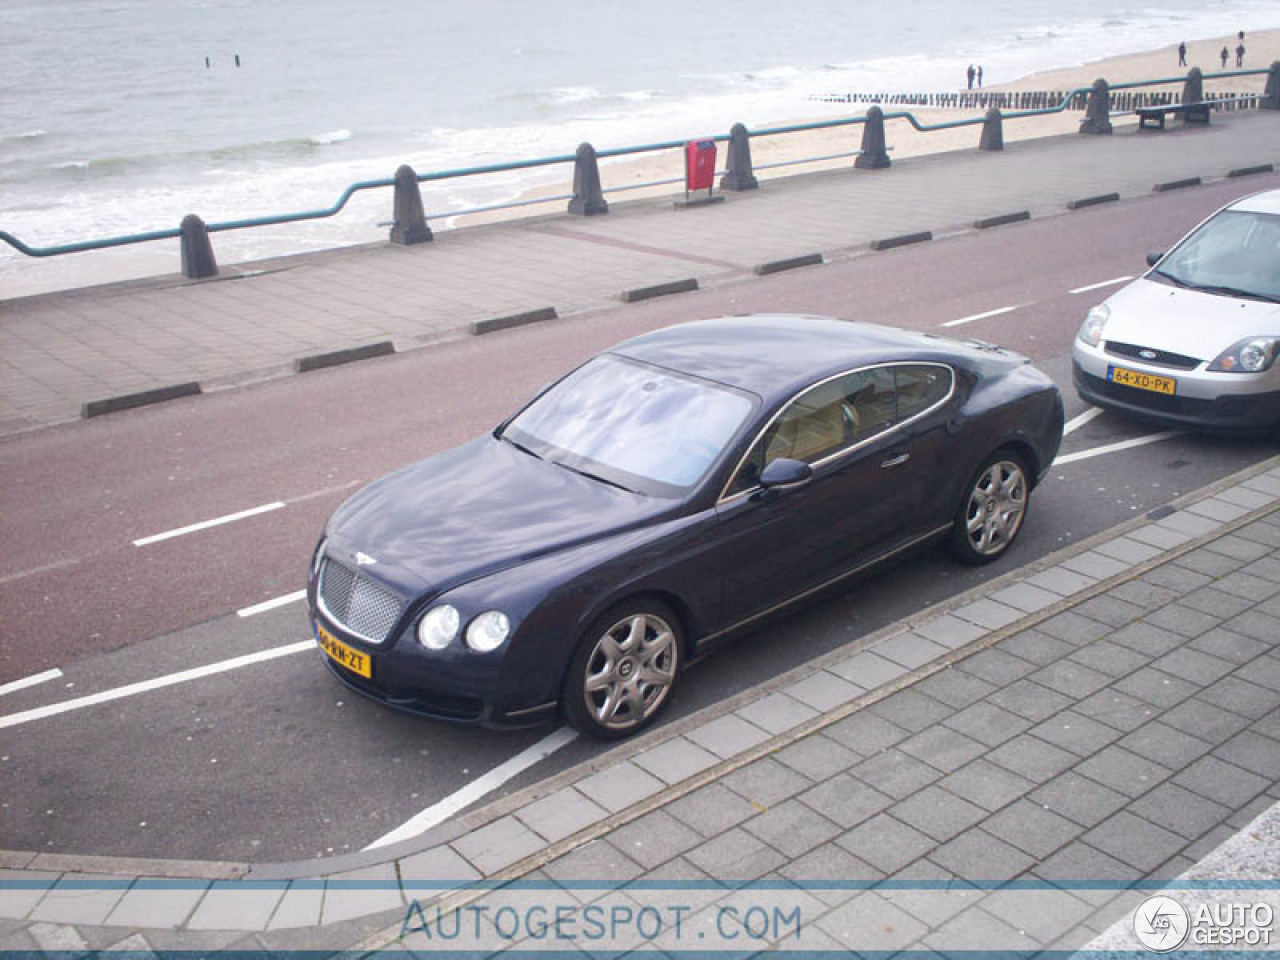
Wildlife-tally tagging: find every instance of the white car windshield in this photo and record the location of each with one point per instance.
(1236, 253)
(632, 425)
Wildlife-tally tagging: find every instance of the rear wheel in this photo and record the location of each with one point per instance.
(991, 510)
(624, 670)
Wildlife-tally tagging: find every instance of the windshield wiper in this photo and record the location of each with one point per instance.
(1176, 281)
(519, 446)
(1234, 292)
(593, 476)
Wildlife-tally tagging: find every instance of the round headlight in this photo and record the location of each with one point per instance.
(1248, 356)
(1256, 355)
(1094, 321)
(438, 627)
(488, 631)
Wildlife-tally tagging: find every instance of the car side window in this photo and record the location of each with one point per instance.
(920, 387)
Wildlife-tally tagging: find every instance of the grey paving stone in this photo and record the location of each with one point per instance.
(1143, 592)
(1079, 862)
(1209, 842)
(1075, 732)
(1095, 564)
(57, 939)
(996, 665)
(766, 782)
(1030, 700)
(985, 784)
(823, 691)
(157, 903)
(1215, 602)
(727, 736)
(1239, 696)
(1036, 647)
(911, 710)
(793, 828)
(1221, 782)
(1216, 508)
(1243, 496)
(776, 713)
(1265, 568)
(23, 890)
(1208, 562)
(1263, 532)
(303, 903)
(988, 723)
(495, 846)
(1071, 678)
(910, 650)
(675, 760)
(1204, 720)
(1165, 745)
(1182, 620)
(846, 800)
(867, 924)
(886, 843)
(1194, 665)
(1043, 915)
(1032, 758)
(1085, 801)
(1126, 772)
(1116, 709)
(712, 809)
(1156, 687)
(1226, 645)
(1032, 829)
(19, 942)
(1265, 672)
(1241, 584)
(1252, 810)
(833, 864)
(988, 614)
(736, 856)
(1072, 627)
(1110, 610)
(1134, 840)
(865, 732)
(868, 670)
(1152, 640)
(975, 930)
(1254, 752)
(1186, 813)
(238, 905)
(1061, 581)
(896, 773)
(594, 863)
(1157, 536)
(84, 899)
(1178, 579)
(1026, 597)
(937, 813)
(1110, 658)
(654, 839)
(817, 757)
(1189, 523)
(949, 631)
(942, 748)
(558, 815)
(357, 893)
(1255, 624)
(619, 786)
(955, 688)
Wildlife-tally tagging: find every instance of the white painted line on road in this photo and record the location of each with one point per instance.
(980, 316)
(1099, 286)
(1116, 447)
(272, 604)
(477, 789)
(16, 685)
(206, 524)
(119, 693)
(1077, 422)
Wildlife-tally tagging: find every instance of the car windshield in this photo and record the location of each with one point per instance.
(1236, 253)
(632, 425)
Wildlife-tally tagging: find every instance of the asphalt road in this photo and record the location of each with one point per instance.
(271, 759)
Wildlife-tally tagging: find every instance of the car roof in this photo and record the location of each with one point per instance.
(1266, 202)
(770, 354)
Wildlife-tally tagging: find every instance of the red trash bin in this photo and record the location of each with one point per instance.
(699, 165)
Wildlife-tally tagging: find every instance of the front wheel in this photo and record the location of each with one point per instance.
(991, 510)
(624, 670)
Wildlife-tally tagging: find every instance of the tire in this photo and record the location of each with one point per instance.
(623, 672)
(992, 509)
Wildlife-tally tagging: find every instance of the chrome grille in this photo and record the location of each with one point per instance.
(357, 603)
(1161, 358)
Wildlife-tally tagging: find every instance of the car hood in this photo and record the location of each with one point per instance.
(477, 509)
(1189, 322)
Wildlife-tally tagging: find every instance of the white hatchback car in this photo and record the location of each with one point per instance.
(1195, 340)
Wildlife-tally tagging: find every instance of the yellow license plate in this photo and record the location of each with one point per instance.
(1142, 381)
(352, 659)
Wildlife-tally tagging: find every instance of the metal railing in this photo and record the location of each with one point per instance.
(507, 167)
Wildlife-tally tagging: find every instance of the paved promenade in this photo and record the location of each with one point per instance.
(61, 351)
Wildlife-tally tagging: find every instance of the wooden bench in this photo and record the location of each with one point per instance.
(1153, 117)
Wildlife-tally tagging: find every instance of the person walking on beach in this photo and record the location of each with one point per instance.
(1225, 53)
(1182, 54)
(1240, 55)
(971, 74)
(979, 76)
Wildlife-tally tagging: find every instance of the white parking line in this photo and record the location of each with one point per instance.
(16, 685)
(272, 604)
(1099, 286)
(1116, 447)
(119, 693)
(980, 316)
(477, 789)
(1077, 422)
(206, 524)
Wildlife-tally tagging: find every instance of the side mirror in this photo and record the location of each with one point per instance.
(1154, 258)
(785, 473)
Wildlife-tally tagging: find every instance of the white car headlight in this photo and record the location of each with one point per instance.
(1094, 321)
(438, 627)
(488, 631)
(1253, 355)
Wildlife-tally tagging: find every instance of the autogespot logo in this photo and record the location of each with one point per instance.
(1161, 923)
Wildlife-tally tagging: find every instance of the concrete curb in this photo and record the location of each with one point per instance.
(999, 221)
(905, 239)
(777, 266)
(336, 358)
(1092, 201)
(1177, 184)
(1249, 171)
(658, 290)
(481, 327)
(96, 408)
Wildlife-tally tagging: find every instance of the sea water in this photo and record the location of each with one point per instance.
(122, 116)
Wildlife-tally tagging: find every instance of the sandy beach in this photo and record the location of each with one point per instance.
(1262, 49)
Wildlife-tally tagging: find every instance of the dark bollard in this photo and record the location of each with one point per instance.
(738, 173)
(992, 131)
(1193, 86)
(588, 196)
(197, 251)
(409, 220)
(874, 156)
(1271, 97)
(1097, 115)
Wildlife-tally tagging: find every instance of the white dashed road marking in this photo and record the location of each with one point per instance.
(206, 524)
(31, 681)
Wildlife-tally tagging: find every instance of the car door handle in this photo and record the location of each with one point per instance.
(896, 461)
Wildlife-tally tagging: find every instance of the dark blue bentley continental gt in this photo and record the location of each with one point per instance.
(664, 493)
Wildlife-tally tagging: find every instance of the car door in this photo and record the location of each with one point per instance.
(776, 544)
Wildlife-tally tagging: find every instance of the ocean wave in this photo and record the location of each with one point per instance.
(332, 137)
(24, 135)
